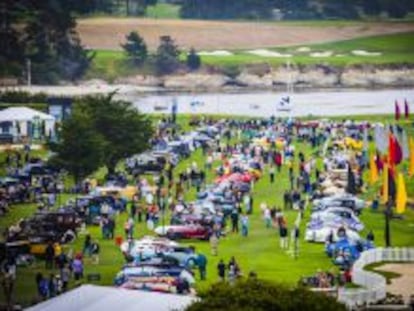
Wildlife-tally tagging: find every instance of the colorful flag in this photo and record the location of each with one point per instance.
(385, 184)
(397, 111)
(394, 151)
(404, 146)
(406, 109)
(373, 170)
(381, 141)
(401, 194)
(411, 163)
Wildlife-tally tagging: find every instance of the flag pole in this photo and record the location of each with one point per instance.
(387, 231)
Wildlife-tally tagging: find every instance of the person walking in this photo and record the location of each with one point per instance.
(214, 243)
(49, 255)
(234, 220)
(95, 250)
(267, 217)
(87, 245)
(221, 268)
(283, 233)
(202, 266)
(272, 173)
(245, 225)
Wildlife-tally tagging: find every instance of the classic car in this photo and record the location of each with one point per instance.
(176, 232)
(321, 234)
(337, 216)
(149, 248)
(146, 162)
(130, 273)
(344, 200)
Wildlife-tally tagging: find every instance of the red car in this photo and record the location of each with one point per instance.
(176, 232)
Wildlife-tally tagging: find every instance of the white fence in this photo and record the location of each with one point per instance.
(373, 285)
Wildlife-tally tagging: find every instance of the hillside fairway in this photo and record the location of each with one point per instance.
(106, 33)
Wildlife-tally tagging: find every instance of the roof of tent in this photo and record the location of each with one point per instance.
(100, 298)
(23, 114)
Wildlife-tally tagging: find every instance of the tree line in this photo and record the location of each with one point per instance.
(294, 9)
(38, 38)
(166, 59)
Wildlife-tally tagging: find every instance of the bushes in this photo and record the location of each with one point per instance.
(262, 296)
(22, 97)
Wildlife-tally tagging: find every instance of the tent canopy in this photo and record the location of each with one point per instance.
(100, 298)
(23, 114)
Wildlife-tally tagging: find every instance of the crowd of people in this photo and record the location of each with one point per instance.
(273, 150)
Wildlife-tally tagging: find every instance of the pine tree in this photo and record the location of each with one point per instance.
(135, 48)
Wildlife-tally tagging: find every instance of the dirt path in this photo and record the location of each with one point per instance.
(108, 33)
(403, 285)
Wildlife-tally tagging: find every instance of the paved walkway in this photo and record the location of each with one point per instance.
(403, 285)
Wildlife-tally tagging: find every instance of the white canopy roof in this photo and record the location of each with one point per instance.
(100, 298)
(23, 114)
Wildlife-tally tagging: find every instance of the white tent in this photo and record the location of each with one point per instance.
(100, 298)
(20, 121)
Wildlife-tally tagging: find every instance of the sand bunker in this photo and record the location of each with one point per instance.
(303, 49)
(268, 53)
(321, 54)
(365, 53)
(215, 53)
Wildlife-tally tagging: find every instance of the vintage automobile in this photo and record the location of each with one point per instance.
(177, 232)
(320, 233)
(128, 273)
(150, 249)
(337, 216)
(344, 200)
(44, 227)
(146, 163)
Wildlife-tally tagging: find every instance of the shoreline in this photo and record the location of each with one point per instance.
(253, 79)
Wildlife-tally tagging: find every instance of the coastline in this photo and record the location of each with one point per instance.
(253, 79)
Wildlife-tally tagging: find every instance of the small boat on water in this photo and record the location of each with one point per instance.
(160, 107)
(284, 104)
(196, 103)
(254, 106)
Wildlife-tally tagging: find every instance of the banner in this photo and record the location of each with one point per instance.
(401, 195)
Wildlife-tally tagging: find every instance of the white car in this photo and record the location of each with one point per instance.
(337, 217)
(343, 200)
(320, 235)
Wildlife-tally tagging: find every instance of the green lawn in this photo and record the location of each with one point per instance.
(258, 252)
(163, 10)
(396, 49)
